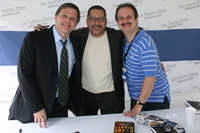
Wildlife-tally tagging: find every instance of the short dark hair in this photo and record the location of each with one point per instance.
(96, 7)
(66, 5)
(126, 5)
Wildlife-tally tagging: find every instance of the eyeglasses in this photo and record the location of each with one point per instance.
(93, 19)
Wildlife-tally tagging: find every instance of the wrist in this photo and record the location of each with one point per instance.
(139, 103)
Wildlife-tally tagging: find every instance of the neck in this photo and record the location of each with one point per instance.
(97, 35)
(63, 36)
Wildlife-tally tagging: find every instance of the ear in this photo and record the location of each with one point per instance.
(136, 20)
(87, 20)
(55, 19)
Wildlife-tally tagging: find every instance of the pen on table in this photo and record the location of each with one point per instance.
(20, 130)
(42, 26)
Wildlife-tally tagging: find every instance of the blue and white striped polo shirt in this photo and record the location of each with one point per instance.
(143, 60)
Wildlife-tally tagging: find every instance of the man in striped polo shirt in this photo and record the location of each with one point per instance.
(147, 82)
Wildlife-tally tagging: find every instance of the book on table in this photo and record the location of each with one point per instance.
(194, 104)
(124, 127)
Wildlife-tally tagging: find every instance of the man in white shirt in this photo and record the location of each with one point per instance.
(101, 60)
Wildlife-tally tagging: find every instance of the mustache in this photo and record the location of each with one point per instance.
(96, 26)
(123, 24)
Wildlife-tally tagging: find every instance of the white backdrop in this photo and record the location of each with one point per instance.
(23, 15)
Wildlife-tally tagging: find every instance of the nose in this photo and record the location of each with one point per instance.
(96, 21)
(67, 19)
(124, 20)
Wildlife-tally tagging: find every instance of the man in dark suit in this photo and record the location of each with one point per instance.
(101, 51)
(37, 97)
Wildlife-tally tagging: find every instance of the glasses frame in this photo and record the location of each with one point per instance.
(100, 19)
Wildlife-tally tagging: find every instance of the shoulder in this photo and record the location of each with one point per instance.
(144, 35)
(114, 34)
(112, 30)
(79, 31)
(40, 34)
(144, 38)
(145, 42)
(36, 38)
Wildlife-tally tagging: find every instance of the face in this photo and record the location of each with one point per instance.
(66, 21)
(126, 20)
(96, 22)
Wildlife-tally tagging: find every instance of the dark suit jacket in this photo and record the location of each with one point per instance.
(116, 41)
(38, 76)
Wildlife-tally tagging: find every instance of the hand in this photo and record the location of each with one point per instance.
(40, 27)
(40, 118)
(163, 67)
(80, 28)
(135, 111)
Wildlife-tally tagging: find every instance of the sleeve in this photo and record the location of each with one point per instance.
(149, 57)
(26, 77)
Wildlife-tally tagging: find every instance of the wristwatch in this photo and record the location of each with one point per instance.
(138, 102)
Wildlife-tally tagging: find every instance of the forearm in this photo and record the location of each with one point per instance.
(147, 89)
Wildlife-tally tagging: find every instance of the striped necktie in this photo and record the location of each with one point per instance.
(63, 92)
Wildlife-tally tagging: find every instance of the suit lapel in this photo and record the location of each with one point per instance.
(113, 52)
(83, 42)
(75, 46)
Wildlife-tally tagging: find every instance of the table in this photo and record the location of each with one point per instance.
(97, 124)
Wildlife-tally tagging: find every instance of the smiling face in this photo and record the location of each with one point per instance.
(126, 20)
(66, 21)
(96, 22)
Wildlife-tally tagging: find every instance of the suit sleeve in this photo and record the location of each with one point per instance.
(26, 77)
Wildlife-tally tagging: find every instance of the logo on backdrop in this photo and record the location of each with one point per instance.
(112, 24)
(190, 6)
(83, 14)
(12, 11)
(53, 3)
(153, 14)
(196, 87)
(3, 27)
(170, 67)
(7, 92)
(33, 22)
(197, 63)
(194, 62)
(114, 5)
(175, 23)
(184, 78)
(135, 2)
